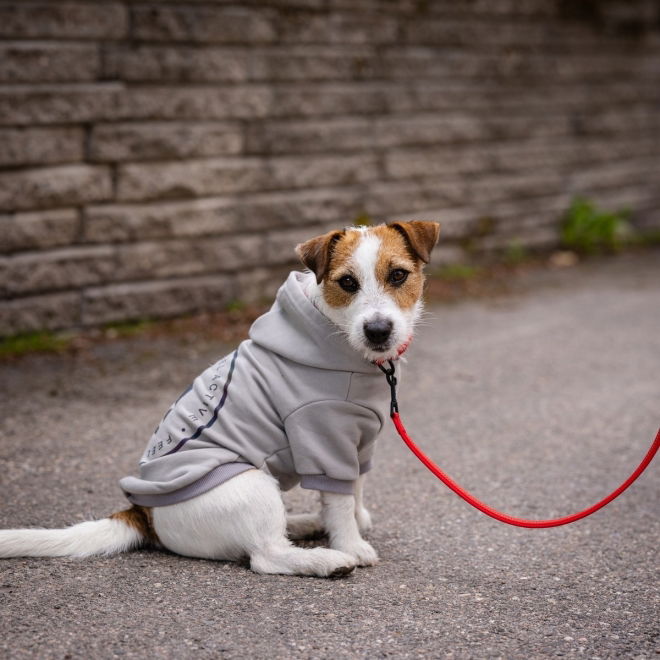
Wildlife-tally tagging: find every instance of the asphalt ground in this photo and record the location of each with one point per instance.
(541, 402)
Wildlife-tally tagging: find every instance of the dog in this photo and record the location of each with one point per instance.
(301, 401)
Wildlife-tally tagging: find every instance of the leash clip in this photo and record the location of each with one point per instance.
(391, 381)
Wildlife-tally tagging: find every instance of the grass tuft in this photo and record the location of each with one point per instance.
(33, 342)
(456, 272)
(126, 328)
(589, 230)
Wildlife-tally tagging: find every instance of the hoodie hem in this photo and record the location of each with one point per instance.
(327, 484)
(366, 466)
(330, 485)
(210, 480)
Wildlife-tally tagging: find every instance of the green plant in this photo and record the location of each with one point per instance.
(235, 306)
(515, 253)
(33, 342)
(126, 328)
(588, 229)
(457, 272)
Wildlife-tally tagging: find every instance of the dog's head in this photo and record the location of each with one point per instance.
(370, 281)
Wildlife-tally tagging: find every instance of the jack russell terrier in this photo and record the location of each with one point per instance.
(300, 401)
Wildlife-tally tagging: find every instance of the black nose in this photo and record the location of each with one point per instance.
(378, 331)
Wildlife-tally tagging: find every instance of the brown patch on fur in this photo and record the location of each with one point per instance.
(405, 245)
(394, 254)
(420, 237)
(140, 518)
(342, 252)
(317, 252)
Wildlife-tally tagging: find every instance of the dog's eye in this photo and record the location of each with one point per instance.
(348, 283)
(398, 276)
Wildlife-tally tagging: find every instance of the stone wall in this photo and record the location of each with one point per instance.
(162, 158)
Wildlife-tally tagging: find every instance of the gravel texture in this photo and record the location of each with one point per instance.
(540, 402)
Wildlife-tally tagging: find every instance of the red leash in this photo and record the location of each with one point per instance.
(478, 504)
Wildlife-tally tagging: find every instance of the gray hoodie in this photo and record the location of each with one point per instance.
(294, 399)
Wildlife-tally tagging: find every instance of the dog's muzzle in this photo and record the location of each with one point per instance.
(377, 332)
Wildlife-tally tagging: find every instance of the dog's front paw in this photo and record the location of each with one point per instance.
(363, 518)
(363, 552)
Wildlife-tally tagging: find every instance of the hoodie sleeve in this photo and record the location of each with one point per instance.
(332, 443)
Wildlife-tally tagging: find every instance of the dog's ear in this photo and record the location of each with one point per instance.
(420, 236)
(316, 252)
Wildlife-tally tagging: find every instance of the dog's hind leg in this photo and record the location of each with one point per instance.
(287, 559)
(244, 516)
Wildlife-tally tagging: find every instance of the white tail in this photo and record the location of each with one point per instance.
(94, 537)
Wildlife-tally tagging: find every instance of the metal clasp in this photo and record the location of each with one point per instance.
(391, 381)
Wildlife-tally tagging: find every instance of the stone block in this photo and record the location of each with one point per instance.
(337, 99)
(220, 176)
(181, 257)
(646, 219)
(135, 222)
(149, 63)
(63, 20)
(23, 105)
(48, 187)
(597, 150)
(435, 162)
(470, 31)
(444, 255)
(337, 206)
(311, 63)
(38, 313)
(203, 24)
(414, 63)
(495, 187)
(68, 268)
(280, 245)
(539, 237)
(194, 102)
(345, 28)
(261, 284)
(455, 223)
(219, 216)
(494, 8)
(38, 230)
(321, 170)
(41, 146)
(293, 4)
(421, 129)
(422, 64)
(635, 197)
(48, 62)
(193, 178)
(395, 7)
(299, 136)
(159, 299)
(164, 140)
(598, 122)
(614, 175)
(385, 199)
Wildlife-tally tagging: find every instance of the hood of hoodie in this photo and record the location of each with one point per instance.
(295, 329)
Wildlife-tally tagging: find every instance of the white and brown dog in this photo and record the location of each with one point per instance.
(365, 287)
